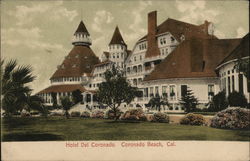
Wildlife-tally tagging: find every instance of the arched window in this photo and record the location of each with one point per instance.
(135, 69)
(140, 68)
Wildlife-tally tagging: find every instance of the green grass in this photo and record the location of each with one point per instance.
(59, 128)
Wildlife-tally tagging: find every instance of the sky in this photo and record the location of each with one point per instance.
(39, 33)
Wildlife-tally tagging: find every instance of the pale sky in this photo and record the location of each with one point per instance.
(39, 33)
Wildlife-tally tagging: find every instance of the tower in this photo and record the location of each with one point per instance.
(81, 36)
(117, 48)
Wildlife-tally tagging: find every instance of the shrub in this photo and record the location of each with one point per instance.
(98, 114)
(134, 115)
(111, 115)
(25, 114)
(232, 118)
(85, 114)
(160, 117)
(237, 99)
(75, 114)
(218, 102)
(192, 119)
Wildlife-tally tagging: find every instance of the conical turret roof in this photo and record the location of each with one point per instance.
(81, 28)
(117, 37)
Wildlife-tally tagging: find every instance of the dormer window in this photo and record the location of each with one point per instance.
(74, 65)
(62, 66)
(77, 56)
(85, 57)
(182, 37)
(172, 39)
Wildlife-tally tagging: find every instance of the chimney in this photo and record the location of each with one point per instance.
(152, 49)
(206, 23)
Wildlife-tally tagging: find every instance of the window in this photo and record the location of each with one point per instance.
(140, 57)
(164, 91)
(164, 40)
(157, 91)
(183, 90)
(241, 83)
(229, 84)
(113, 55)
(210, 91)
(135, 58)
(145, 92)
(233, 88)
(151, 91)
(162, 51)
(172, 92)
(172, 39)
(228, 72)
(117, 55)
(166, 50)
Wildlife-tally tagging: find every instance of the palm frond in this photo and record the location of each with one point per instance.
(23, 75)
(9, 67)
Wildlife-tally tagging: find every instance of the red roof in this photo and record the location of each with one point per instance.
(179, 28)
(241, 51)
(81, 28)
(80, 60)
(193, 58)
(63, 88)
(117, 37)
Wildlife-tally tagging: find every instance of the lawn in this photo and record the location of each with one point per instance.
(59, 128)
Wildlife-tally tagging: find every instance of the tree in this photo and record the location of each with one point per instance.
(66, 105)
(189, 101)
(77, 96)
(157, 102)
(115, 90)
(14, 80)
(219, 102)
(237, 99)
(242, 65)
(36, 103)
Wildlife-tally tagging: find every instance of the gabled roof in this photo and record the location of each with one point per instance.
(117, 37)
(81, 28)
(193, 58)
(63, 88)
(179, 28)
(80, 60)
(242, 50)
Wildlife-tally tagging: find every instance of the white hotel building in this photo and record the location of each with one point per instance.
(171, 58)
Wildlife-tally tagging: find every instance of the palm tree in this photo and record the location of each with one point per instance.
(157, 102)
(14, 80)
(66, 104)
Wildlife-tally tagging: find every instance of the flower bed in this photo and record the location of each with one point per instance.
(98, 114)
(192, 119)
(160, 117)
(232, 118)
(85, 114)
(134, 115)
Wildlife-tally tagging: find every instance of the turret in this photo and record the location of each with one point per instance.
(117, 48)
(81, 36)
(117, 43)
